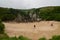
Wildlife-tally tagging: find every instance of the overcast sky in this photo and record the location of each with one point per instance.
(27, 4)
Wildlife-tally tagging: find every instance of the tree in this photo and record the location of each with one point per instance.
(2, 27)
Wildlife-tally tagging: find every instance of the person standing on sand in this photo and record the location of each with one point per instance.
(34, 26)
(51, 24)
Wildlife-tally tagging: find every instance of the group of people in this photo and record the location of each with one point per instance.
(35, 25)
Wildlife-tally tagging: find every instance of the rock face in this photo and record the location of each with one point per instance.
(28, 16)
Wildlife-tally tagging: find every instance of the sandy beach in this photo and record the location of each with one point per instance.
(41, 29)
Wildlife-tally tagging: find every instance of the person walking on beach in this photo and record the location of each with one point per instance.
(51, 24)
(34, 26)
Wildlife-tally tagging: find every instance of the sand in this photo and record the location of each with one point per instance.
(42, 29)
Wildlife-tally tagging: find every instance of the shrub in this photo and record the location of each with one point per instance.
(56, 37)
(42, 39)
(1, 27)
(13, 38)
(23, 38)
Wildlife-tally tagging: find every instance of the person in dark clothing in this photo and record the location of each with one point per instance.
(34, 26)
(52, 24)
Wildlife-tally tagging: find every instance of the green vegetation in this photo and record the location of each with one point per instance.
(56, 37)
(50, 13)
(23, 38)
(30, 15)
(42, 39)
(2, 27)
(5, 37)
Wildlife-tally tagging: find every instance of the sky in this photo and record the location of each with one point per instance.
(27, 4)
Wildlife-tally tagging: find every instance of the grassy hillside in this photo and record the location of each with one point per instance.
(30, 15)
